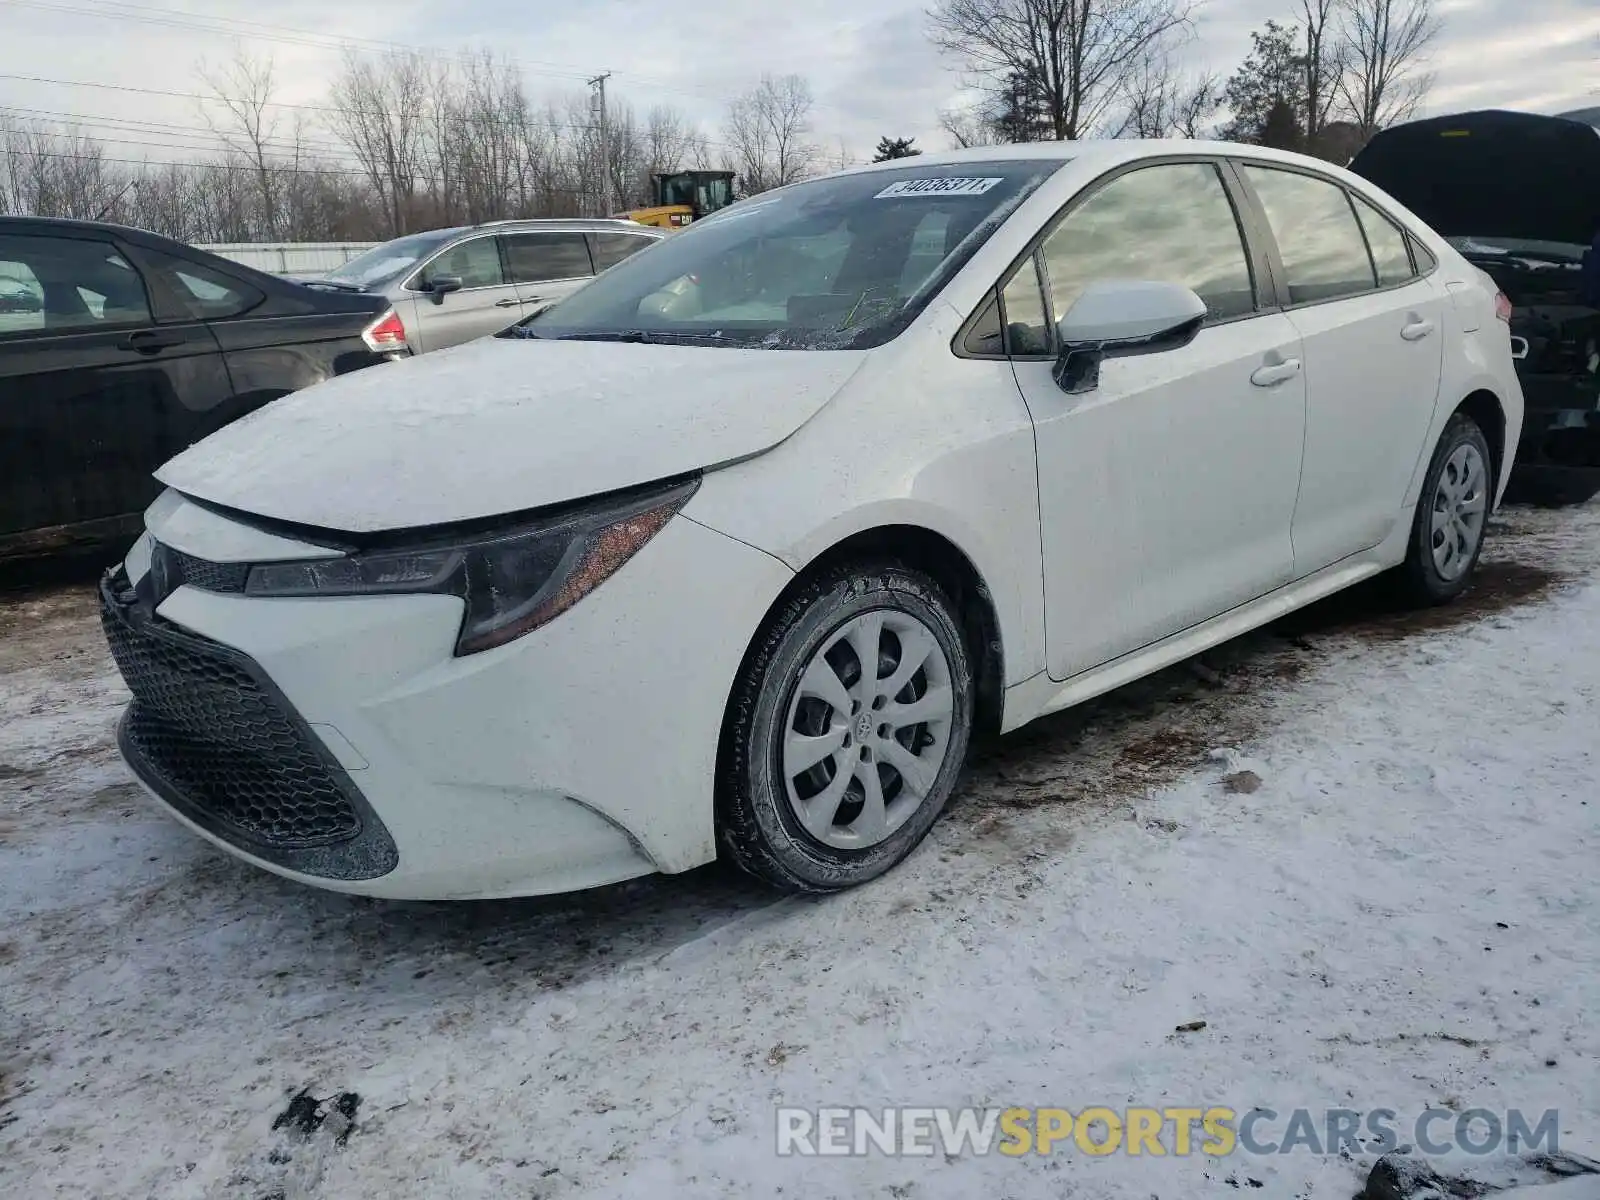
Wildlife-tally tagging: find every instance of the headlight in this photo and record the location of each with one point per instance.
(512, 582)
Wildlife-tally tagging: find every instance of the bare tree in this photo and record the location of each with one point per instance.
(1386, 42)
(669, 140)
(768, 130)
(1080, 55)
(1324, 63)
(380, 109)
(241, 113)
(968, 127)
(1164, 101)
(52, 173)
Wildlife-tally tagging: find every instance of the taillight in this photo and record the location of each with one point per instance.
(1502, 307)
(387, 333)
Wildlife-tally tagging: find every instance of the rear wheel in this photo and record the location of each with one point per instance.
(847, 730)
(1451, 517)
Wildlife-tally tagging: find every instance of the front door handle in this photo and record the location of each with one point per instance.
(1415, 331)
(1276, 373)
(508, 302)
(148, 341)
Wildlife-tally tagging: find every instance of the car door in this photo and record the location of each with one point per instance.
(1166, 493)
(94, 393)
(485, 303)
(259, 348)
(546, 266)
(1374, 344)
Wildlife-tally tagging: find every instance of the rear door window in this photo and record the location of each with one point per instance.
(545, 257)
(1324, 252)
(195, 292)
(1388, 243)
(611, 248)
(54, 284)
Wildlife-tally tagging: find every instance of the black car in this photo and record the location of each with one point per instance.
(119, 348)
(1519, 196)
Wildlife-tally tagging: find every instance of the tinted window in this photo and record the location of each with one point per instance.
(1387, 242)
(1027, 326)
(52, 284)
(476, 262)
(1169, 223)
(834, 263)
(611, 248)
(201, 293)
(537, 257)
(1323, 251)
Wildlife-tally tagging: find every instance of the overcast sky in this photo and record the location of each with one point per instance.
(869, 61)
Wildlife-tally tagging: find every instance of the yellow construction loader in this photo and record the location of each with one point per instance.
(682, 197)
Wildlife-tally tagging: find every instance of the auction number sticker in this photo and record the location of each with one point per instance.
(937, 187)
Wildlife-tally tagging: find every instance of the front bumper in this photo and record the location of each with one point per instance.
(578, 755)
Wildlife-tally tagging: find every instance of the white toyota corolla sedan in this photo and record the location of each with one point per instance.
(737, 546)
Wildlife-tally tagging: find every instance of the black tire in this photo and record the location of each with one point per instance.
(1417, 582)
(756, 825)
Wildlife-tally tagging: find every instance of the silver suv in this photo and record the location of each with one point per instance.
(452, 285)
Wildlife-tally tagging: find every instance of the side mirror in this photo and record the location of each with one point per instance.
(1519, 348)
(1117, 318)
(442, 285)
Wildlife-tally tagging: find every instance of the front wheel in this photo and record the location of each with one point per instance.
(847, 730)
(1451, 517)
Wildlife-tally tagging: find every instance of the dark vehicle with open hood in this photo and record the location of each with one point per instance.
(1519, 196)
(119, 348)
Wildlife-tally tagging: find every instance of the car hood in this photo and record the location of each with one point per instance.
(502, 425)
(1492, 174)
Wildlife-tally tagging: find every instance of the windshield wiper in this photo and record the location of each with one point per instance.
(644, 337)
(337, 285)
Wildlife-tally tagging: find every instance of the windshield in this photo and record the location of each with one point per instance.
(386, 263)
(837, 263)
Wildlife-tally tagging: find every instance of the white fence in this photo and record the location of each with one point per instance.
(290, 258)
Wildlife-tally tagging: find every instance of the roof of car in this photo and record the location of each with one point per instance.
(65, 224)
(1099, 153)
(575, 223)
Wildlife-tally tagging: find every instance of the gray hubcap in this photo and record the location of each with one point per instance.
(1460, 505)
(868, 729)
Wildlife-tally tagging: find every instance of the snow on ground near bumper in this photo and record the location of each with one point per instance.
(1402, 914)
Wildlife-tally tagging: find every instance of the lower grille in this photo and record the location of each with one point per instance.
(212, 734)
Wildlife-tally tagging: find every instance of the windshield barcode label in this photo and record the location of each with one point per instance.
(937, 187)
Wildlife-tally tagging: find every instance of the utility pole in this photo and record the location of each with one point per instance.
(599, 84)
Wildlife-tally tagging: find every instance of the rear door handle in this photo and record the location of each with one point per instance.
(1276, 373)
(148, 341)
(1415, 331)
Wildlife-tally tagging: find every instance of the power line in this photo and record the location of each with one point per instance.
(161, 129)
(290, 35)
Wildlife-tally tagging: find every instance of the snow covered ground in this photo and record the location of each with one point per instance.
(1403, 914)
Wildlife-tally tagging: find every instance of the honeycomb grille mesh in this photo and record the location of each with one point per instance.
(170, 569)
(203, 724)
